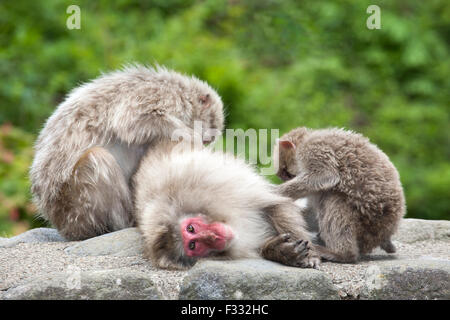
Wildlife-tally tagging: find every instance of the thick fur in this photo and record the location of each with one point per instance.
(351, 185)
(178, 182)
(91, 145)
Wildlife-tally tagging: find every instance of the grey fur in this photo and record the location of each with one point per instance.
(175, 182)
(91, 145)
(351, 185)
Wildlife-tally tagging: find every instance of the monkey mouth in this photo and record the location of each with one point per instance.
(229, 238)
(224, 241)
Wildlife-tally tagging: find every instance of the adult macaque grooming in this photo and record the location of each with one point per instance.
(193, 204)
(91, 145)
(352, 188)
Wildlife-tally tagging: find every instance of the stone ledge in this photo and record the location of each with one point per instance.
(255, 279)
(87, 285)
(421, 279)
(33, 236)
(413, 230)
(39, 264)
(123, 243)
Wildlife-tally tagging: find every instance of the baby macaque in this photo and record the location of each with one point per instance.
(193, 204)
(351, 186)
(90, 147)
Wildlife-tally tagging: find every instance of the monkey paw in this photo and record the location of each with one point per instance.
(295, 253)
(301, 254)
(306, 256)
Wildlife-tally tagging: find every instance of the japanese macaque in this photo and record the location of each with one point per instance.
(351, 186)
(90, 147)
(193, 204)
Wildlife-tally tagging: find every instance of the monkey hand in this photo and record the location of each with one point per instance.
(290, 252)
(294, 189)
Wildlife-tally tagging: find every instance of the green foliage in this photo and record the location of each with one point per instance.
(277, 64)
(16, 209)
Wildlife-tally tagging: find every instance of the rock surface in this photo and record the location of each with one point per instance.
(39, 264)
(413, 230)
(92, 285)
(255, 279)
(123, 243)
(423, 278)
(37, 235)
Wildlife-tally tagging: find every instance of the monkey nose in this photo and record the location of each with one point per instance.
(208, 237)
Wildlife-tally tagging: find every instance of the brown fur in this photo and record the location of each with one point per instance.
(351, 185)
(90, 147)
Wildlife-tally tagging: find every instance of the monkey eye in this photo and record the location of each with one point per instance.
(192, 245)
(190, 228)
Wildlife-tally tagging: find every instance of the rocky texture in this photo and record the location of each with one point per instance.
(123, 243)
(413, 230)
(92, 285)
(255, 279)
(424, 278)
(38, 264)
(25, 262)
(37, 235)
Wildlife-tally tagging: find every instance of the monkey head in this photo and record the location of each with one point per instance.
(285, 153)
(177, 243)
(207, 108)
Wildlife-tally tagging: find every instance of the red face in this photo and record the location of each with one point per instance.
(200, 238)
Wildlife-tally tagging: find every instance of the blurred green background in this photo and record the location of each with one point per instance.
(277, 64)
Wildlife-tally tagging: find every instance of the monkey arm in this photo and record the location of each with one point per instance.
(318, 173)
(295, 188)
(305, 184)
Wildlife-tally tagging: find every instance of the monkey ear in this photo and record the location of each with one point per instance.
(205, 100)
(286, 144)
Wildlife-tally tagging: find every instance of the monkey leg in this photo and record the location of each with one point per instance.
(98, 197)
(337, 230)
(290, 246)
(310, 216)
(388, 246)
